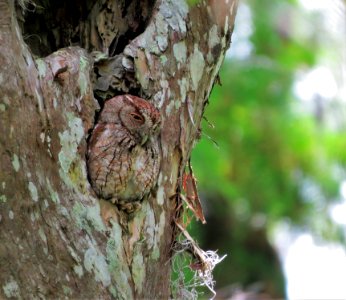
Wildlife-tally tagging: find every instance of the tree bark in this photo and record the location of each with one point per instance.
(57, 239)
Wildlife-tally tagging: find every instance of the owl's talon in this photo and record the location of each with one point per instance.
(129, 207)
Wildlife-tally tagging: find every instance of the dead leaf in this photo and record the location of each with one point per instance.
(191, 197)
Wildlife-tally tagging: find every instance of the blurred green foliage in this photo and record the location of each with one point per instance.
(193, 2)
(274, 160)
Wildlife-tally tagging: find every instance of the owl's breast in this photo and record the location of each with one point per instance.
(119, 168)
(144, 171)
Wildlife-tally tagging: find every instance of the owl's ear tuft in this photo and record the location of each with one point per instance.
(129, 98)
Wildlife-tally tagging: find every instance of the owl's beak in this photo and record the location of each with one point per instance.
(144, 139)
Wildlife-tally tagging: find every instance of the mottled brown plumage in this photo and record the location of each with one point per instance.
(123, 152)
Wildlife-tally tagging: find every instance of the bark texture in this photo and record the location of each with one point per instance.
(57, 239)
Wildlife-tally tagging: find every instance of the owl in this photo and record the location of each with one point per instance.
(123, 153)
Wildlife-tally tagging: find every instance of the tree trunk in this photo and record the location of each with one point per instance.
(57, 238)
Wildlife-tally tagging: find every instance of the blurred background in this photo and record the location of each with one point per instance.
(271, 163)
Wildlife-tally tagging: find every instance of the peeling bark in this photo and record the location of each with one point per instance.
(57, 238)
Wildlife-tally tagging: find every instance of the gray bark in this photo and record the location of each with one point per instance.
(57, 239)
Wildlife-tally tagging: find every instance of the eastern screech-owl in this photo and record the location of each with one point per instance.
(123, 152)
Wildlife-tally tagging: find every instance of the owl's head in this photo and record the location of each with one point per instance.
(135, 114)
